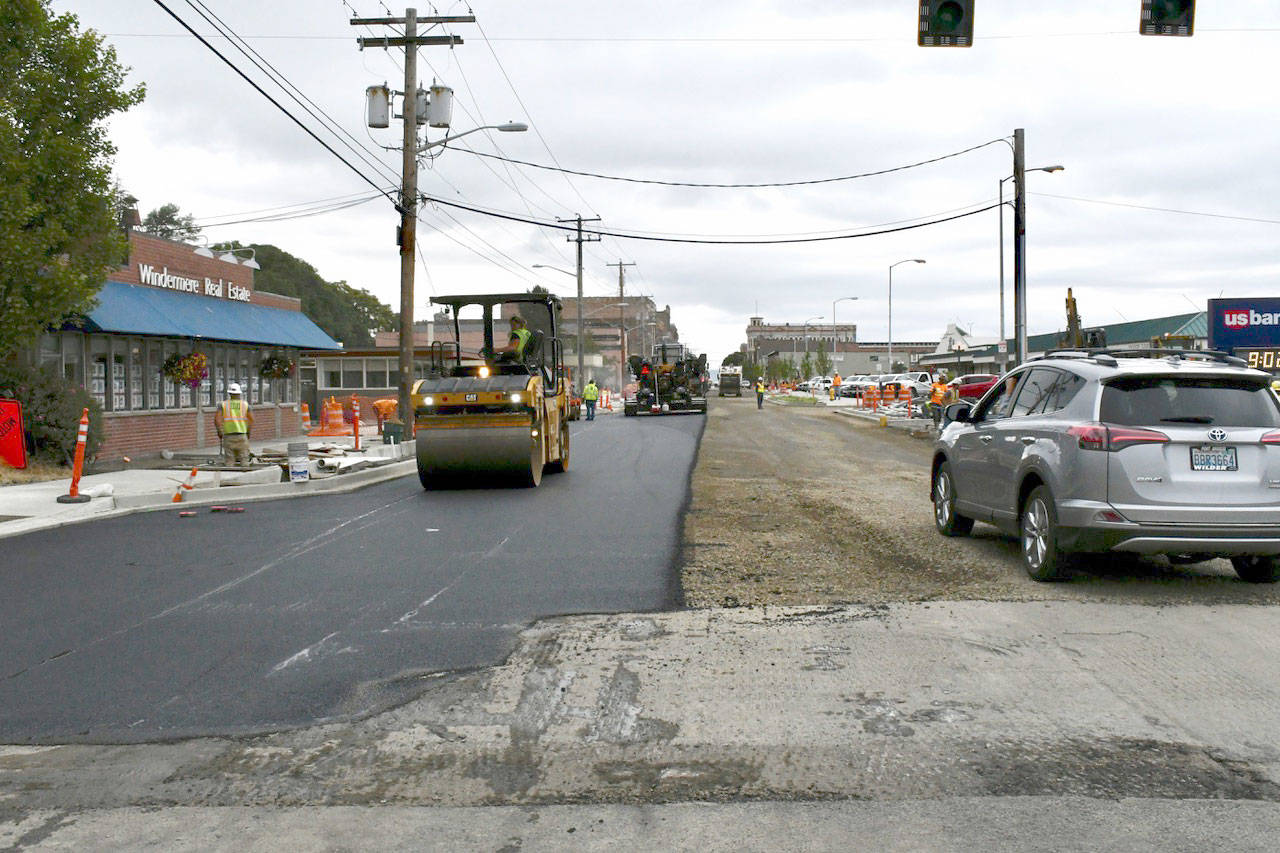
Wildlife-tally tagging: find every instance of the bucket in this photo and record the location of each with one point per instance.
(299, 462)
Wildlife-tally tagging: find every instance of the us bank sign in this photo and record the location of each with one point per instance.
(148, 274)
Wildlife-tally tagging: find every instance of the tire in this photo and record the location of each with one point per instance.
(1038, 526)
(562, 464)
(1256, 569)
(948, 521)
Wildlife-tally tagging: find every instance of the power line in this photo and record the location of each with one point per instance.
(809, 182)
(1162, 209)
(274, 102)
(706, 241)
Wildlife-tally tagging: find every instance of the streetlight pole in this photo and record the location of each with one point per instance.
(835, 347)
(1004, 361)
(891, 266)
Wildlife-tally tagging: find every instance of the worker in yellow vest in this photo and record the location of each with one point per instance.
(518, 340)
(233, 420)
(760, 393)
(590, 394)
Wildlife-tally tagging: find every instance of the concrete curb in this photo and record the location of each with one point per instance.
(129, 504)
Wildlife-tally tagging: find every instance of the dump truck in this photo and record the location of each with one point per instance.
(670, 380)
(486, 415)
(731, 380)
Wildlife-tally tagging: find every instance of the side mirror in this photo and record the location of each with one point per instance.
(957, 412)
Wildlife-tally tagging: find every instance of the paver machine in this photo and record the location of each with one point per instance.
(483, 415)
(671, 380)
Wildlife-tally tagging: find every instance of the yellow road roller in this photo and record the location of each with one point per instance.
(495, 405)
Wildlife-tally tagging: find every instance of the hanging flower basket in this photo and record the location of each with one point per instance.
(275, 367)
(190, 369)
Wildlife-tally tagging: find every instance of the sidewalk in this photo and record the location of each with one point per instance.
(34, 506)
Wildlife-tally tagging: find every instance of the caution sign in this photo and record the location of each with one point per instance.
(13, 448)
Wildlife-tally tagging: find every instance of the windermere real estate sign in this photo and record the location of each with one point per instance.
(148, 274)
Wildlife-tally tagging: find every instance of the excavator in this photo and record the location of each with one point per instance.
(484, 414)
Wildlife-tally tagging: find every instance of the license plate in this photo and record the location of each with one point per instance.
(471, 398)
(1213, 458)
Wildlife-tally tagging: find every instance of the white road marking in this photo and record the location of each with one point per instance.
(302, 655)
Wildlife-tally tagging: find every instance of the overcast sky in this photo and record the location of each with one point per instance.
(744, 92)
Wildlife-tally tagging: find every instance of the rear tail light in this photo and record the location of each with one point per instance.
(1112, 438)
(1272, 437)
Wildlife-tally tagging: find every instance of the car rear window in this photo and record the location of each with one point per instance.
(1153, 400)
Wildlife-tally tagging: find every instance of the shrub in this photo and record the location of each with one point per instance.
(51, 408)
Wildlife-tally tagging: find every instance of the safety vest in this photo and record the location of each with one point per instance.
(591, 392)
(522, 339)
(938, 392)
(235, 417)
(759, 387)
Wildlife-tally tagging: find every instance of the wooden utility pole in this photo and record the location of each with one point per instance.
(622, 324)
(408, 206)
(1020, 245)
(579, 379)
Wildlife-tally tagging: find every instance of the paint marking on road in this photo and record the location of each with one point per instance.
(408, 617)
(302, 655)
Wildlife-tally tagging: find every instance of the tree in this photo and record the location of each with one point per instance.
(59, 236)
(823, 361)
(734, 359)
(806, 366)
(166, 222)
(347, 314)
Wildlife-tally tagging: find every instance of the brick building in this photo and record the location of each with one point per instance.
(170, 301)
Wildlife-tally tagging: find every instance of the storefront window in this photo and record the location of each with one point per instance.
(50, 351)
(330, 373)
(155, 353)
(375, 372)
(244, 373)
(98, 358)
(72, 357)
(170, 387)
(135, 375)
(118, 376)
(352, 373)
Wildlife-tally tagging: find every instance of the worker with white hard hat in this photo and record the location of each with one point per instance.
(233, 420)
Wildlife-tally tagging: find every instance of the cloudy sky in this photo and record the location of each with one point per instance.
(746, 92)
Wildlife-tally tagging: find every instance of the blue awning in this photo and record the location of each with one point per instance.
(138, 310)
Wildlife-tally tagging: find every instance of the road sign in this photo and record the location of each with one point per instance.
(13, 447)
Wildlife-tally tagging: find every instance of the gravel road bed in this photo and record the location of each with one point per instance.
(801, 506)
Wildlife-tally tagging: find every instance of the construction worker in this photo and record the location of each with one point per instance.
(835, 385)
(760, 393)
(233, 420)
(590, 394)
(937, 397)
(518, 340)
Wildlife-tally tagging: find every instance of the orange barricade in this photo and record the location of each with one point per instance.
(383, 410)
(331, 420)
(904, 396)
(871, 397)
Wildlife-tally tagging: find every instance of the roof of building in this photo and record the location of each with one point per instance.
(140, 310)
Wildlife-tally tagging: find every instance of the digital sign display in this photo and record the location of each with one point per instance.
(1262, 358)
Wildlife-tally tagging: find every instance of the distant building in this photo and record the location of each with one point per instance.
(849, 357)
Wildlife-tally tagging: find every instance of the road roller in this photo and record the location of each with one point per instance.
(494, 407)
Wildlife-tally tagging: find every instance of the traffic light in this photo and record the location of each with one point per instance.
(946, 23)
(1167, 17)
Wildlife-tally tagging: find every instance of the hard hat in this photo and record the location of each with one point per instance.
(233, 388)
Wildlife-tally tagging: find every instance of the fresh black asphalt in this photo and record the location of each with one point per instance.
(152, 627)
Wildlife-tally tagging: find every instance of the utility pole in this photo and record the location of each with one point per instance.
(622, 324)
(579, 379)
(408, 206)
(1020, 244)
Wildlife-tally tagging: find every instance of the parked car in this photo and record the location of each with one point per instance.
(1140, 452)
(919, 381)
(971, 386)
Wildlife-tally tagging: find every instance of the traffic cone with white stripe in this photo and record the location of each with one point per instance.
(188, 485)
(82, 438)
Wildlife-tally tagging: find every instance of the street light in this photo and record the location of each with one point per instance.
(509, 127)
(891, 266)
(834, 345)
(1001, 206)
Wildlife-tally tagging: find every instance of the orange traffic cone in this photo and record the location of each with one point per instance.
(188, 484)
(306, 416)
(74, 496)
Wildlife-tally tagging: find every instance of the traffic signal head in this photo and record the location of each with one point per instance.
(1167, 17)
(946, 23)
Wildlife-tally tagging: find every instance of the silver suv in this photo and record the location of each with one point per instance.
(1170, 452)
